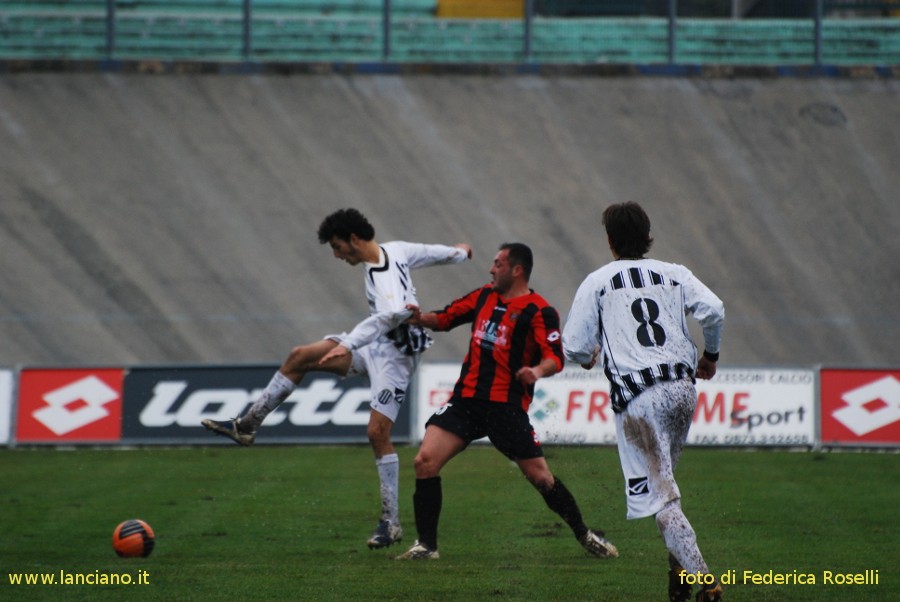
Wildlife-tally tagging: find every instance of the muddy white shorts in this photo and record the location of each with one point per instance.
(389, 371)
(651, 433)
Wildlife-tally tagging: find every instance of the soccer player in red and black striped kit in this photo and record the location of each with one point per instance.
(515, 341)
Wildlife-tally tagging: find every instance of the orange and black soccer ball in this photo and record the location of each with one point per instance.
(133, 539)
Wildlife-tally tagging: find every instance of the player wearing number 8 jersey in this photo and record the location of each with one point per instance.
(631, 316)
(640, 305)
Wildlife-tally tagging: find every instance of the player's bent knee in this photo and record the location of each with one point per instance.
(424, 466)
(296, 358)
(542, 483)
(538, 474)
(303, 358)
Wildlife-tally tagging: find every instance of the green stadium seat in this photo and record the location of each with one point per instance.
(352, 30)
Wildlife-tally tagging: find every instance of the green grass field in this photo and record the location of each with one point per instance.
(290, 523)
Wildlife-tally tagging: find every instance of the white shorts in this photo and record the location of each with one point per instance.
(389, 371)
(651, 433)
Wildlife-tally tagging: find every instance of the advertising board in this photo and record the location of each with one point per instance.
(69, 405)
(6, 405)
(860, 407)
(750, 406)
(166, 405)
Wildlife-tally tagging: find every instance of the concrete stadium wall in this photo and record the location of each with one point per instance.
(172, 219)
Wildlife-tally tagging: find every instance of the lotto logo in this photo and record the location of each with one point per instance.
(871, 406)
(70, 405)
(175, 403)
(638, 486)
(861, 406)
(439, 397)
(168, 405)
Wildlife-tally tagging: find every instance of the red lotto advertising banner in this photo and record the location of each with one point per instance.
(69, 406)
(860, 407)
(738, 407)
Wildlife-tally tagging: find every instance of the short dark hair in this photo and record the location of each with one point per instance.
(628, 228)
(344, 223)
(519, 254)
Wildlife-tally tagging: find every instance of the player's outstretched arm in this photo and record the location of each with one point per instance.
(426, 320)
(465, 247)
(367, 331)
(421, 255)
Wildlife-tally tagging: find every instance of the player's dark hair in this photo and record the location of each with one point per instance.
(628, 228)
(519, 254)
(344, 223)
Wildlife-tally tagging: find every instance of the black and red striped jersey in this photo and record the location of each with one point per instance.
(507, 334)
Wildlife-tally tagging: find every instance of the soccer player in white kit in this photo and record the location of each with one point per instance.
(382, 347)
(630, 315)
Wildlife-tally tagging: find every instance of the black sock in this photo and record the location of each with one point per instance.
(561, 501)
(427, 505)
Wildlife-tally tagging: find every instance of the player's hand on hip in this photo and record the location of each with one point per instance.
(527, 375)
(706, 369)
(336, 352)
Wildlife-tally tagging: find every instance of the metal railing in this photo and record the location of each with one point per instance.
(408, 31)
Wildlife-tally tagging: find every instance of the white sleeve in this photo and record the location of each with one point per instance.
(422, 256)
(707, 309)
(582, 331)
(374, 326)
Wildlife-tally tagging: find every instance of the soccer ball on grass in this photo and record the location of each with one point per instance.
(133, 538)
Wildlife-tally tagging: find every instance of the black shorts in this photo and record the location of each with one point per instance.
(506, 425)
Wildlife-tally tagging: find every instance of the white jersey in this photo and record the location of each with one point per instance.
(389, 289)
(634, 312)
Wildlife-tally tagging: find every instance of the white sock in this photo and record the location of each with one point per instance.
(389, 473)
(680, 538)
(278, 389)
